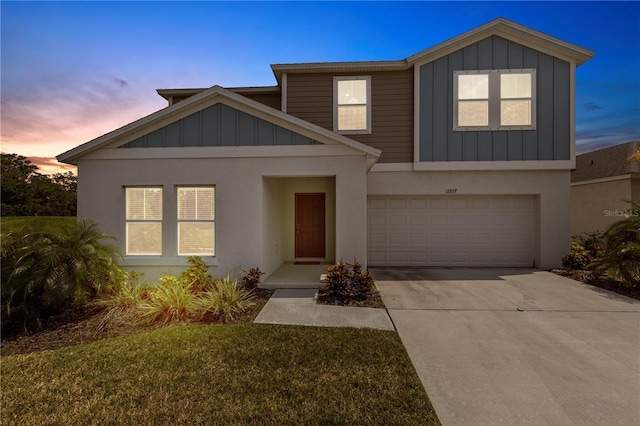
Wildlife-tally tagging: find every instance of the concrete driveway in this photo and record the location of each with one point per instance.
(517, 346)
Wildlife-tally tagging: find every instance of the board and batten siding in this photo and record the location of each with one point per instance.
(310, 97)
(551, 140)
(219, 125)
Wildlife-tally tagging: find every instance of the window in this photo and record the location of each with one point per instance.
(196, 226)
(494, 100)
(143, 221)
(352, 105)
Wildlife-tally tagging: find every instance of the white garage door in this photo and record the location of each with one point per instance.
(451, 231)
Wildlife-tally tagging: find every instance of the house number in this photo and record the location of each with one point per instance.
(451, 191)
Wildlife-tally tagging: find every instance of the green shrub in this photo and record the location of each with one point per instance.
(120, 305)
(193, 296)
(584, 249)
(578, 258)
(225, 300)
(197, 274)
(45, 272)
(348, 281)
(252, 278)
(171, 301)
(621, 256)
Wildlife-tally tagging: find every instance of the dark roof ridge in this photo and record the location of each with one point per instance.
(607, 162)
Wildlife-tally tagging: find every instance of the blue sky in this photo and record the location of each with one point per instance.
(72, 71)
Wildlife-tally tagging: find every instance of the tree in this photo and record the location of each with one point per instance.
(621, 256)
(17, 172)
(25, 192)
(42, 272)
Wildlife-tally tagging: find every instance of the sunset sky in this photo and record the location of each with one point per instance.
(72, 71)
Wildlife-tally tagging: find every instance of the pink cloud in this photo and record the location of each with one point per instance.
(52, 119)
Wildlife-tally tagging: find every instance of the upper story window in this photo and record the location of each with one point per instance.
(143, 218)
(494, 100)
(196, 221)
(352, 105)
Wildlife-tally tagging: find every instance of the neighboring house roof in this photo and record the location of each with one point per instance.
(207, 97)
(607, 162)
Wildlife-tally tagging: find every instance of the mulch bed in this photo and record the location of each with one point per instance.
(372, 301)
(84, 325)
(605, 282)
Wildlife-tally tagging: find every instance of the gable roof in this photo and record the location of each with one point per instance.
(211, 96)
(606, 162)
(501, 27)
(511, 31)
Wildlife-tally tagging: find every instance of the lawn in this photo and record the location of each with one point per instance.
(36, 223)
(219, 374)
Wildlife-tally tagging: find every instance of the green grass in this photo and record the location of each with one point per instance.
(219, 374)
(36, 223)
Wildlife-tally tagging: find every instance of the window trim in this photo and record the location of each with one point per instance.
(336, 79)
(178, 221)
(128, 221)
(495, 100)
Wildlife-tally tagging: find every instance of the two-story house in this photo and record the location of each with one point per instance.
(459, 155)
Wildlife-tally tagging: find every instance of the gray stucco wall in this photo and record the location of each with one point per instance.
(551, 140)
(219, 125)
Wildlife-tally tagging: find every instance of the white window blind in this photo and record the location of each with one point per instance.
(494, 100)
(352, 104)
(143, 221)
(196, 221)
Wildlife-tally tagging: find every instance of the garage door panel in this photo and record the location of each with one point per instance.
(377, 220)
(438, 220)
(440, 257)
(437, 203)
(398, 239)
(451, 231)
(419, 238)
(397, 204)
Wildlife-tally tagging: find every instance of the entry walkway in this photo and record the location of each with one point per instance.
(299, 307)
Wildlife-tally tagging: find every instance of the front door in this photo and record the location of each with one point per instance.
(310, 225)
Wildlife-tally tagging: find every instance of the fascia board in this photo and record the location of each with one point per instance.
(208, 97)
(338, 67)
(511, 31)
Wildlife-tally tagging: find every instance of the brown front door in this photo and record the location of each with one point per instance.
(310, 225)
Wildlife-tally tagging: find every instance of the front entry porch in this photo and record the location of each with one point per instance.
(290, 275)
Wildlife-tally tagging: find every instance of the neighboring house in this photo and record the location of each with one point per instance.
(459, 155)
(601, 183)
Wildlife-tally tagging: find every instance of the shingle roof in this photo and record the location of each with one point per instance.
(606, 162)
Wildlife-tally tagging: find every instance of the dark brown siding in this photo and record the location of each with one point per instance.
(268, 99)
(310, 97)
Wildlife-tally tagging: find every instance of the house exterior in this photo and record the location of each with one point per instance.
(459, 155)
(601, 183)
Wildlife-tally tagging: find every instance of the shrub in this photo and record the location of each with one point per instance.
(44, 272)
(121, 304)
(621, 257)
(252, 278)
(171, 301)
(348, 281)
(193, 296)
(578, 258)
(197, 274)
(225, 300)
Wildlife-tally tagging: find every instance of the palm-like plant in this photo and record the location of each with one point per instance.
(50, 270)
(621, 257)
